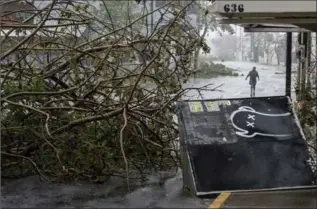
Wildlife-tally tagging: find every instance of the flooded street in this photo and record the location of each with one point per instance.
(272, 82)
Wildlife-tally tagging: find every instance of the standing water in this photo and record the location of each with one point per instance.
(271, 83)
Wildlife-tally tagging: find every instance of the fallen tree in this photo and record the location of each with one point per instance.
(211, 70)
(91, 106)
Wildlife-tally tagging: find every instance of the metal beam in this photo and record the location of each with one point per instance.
(310, 27)
(268, 21)
(288, 76)
(259, 29)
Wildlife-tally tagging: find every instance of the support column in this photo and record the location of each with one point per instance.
(316, 82)
(299, 65)
(304, 67)
(308, 60)
(316, 71)
(288, 64)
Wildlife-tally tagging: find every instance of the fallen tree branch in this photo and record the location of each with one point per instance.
(122, 148)
(30, 160)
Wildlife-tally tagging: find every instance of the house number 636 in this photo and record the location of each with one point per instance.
(233, 8)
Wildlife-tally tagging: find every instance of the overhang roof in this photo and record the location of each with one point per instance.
(272, 28)
(268, 16)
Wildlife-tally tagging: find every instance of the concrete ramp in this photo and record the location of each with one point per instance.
(249, 144)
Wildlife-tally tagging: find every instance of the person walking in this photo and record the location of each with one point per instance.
(253, 74)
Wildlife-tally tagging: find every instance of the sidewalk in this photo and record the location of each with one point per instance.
(304, 198)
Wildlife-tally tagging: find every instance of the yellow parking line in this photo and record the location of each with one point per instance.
(218, 202)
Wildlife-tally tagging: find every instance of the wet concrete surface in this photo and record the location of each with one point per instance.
(305, 198)
(32, 193)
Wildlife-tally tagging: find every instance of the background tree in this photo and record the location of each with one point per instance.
(207, 23)
(279, 46)
(225, 47)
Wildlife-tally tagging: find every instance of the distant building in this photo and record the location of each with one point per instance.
(15, 12)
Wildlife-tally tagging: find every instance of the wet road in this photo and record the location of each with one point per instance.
(272, 82)
(31, 193)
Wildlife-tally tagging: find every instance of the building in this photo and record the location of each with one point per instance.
(15, 12)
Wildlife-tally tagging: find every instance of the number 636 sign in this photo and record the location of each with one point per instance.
(233, 8)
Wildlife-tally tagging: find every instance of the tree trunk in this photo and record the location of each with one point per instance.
(277, 56)
(196, 53)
